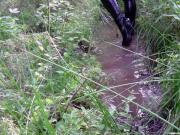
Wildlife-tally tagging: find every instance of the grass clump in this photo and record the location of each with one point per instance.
(44, 78)
(159, 21)
(9, 27)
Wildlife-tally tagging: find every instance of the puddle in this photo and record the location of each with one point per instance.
(124, 68)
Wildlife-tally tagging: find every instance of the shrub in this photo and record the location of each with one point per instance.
(8, 27)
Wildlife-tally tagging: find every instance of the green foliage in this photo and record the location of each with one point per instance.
(40, 96)
(159, 25)
(41, 74)
(172, 85)
(8, 27)
(67, 21)
(27, 14)
(35, 95)
(28, 19)
(80, 122)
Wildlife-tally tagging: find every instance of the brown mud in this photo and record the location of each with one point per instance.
(126, 72)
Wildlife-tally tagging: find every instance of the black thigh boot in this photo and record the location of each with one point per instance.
(130, 10)
(122, 22)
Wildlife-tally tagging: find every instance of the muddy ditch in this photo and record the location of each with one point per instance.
(127, 74)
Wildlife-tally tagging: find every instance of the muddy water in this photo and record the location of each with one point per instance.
(125, 71)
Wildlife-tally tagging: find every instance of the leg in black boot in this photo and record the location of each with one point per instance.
(123, 23)
(130, 10)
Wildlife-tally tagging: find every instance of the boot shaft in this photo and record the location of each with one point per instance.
(125, 21)
(130, 10)
(112, 7)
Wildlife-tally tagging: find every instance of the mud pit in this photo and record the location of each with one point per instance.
(125, 71)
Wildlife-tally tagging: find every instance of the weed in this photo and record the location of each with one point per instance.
(159, 20)
(39, 97)
(8, 27)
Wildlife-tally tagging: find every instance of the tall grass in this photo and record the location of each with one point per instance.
(159, 23)
(50, 88)
(39, 97)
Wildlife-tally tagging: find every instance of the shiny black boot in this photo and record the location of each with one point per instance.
(126, 29)
(130, 10)
(122, 22)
